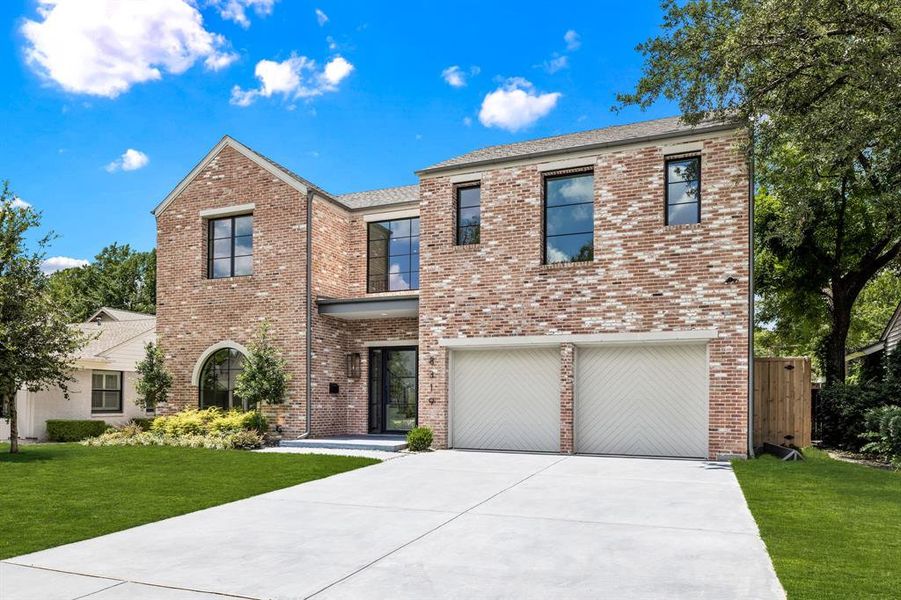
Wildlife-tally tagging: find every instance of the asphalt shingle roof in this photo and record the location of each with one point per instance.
(109, 334)
(573, 141)
(382, 197)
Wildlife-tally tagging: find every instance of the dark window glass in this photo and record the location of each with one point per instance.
(683, 191)
(217, 380)
(106, 391)
(569, 218)
(469, 215)
(393, 261)
(230, 247)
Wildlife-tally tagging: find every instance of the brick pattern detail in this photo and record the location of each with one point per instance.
(567, 355)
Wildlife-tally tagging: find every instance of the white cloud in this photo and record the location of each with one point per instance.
(516, 105)
(332, 44)
(19, 203)
(558, 63)
(321, 17)
(573, 40)
(295, 77)
(58, 263)
(467, 121)
(131, 160)
(103, 47)
(457, 77)
(236, 10)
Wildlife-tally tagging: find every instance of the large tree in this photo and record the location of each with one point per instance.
(37, 345)
(118, 277)
(818, 83)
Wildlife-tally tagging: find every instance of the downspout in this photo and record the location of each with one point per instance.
(751, 299)
(309, 317)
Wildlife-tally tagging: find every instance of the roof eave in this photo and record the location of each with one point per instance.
(581, 148)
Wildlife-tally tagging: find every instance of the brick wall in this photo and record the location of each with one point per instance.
(645, 276)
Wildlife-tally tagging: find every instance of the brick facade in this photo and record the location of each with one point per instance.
(645, 277)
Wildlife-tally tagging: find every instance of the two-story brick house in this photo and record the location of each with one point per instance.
(581, 293)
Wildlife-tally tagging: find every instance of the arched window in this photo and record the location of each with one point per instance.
(217, 379)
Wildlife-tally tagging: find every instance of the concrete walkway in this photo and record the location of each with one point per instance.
(440, 525)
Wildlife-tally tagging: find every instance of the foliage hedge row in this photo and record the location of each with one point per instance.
(209, 420)
(62, 430)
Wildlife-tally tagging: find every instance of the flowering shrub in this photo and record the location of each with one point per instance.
(242, 440)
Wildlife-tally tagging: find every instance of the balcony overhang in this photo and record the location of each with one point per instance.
(352, 309)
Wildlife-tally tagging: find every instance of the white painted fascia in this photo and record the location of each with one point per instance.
(244, 150)
(586, 339)
(227, 211)
(389, 215)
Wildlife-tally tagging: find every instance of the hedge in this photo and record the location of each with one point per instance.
(59, 430)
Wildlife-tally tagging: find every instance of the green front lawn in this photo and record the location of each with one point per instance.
(52, 494)
(833, 529)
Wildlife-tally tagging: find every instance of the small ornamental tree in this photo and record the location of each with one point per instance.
(264, 378)
(154, 380)
(37, 346)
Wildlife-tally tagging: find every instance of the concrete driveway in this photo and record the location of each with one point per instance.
(440, 525)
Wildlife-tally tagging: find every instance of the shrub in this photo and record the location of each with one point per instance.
(419, 439)
(130, 435)
(59, 430)
(883, 430)
(144, 424)
(209, 420)
(234, 421)
(843, 412)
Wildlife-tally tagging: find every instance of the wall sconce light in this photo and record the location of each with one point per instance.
(353, 365)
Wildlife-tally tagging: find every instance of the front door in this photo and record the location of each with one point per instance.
(392, 389)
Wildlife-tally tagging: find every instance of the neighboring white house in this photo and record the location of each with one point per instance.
(887, 342)
(104, 385)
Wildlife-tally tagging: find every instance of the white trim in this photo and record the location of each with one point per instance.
(682, 148)
(866, 351)
(467, 178)
(242, 149)
(387, 216)
(390, 343)
(227, 211)
(696, 335)
(570, 163)
(195, 375)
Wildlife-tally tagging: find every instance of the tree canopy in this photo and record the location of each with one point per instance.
(118, 277)
(818, 84)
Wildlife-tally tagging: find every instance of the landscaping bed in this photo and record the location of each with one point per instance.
(832, 528)
(59, 493)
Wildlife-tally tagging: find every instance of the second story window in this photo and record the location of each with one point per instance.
(569, 218)
(230, 247)
(469, 214)
(683, 191)
(393, 255)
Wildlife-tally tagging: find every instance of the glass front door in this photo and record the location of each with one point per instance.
(392, 389)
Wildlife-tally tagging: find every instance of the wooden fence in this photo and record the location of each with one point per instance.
(782, 400)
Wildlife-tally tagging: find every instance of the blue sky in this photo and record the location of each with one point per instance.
(105, 107)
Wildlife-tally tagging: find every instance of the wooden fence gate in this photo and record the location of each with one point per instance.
(782, 400)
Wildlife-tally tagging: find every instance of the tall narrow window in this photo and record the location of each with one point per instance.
(230, 247)
(469, 214)
(569, 218)
(106, 391)
(683, 191)
(393, 256)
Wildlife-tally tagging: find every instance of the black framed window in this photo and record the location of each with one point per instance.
(218, 377)
(469, 214)
(569, 217)
(230, 247)
(106, 391)
(393, 255)
(683, 190)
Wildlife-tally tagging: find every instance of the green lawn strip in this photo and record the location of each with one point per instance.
(833, 529)
(52, 494)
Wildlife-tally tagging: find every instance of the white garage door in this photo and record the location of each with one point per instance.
(506, 399)
(642, 400)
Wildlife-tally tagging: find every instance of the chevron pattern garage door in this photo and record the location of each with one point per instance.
(642, 400)
(506, 399)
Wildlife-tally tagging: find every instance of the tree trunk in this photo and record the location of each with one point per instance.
(13, 424)
(834, 359)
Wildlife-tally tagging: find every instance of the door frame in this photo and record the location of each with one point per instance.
(383, 419)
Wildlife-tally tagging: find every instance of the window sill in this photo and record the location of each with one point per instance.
(567, 265)
(233, 278)
(684, 226)
(107, 414)
(467, 247)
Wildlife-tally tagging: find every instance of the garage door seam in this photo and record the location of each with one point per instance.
(436, 528)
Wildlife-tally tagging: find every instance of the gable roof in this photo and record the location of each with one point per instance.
(382, 197)
(105, 336)
(118, 314)
(583, 140)
(286, 175)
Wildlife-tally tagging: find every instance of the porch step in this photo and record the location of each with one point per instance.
(383, 443)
